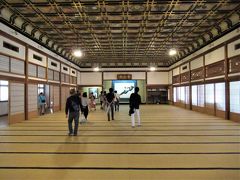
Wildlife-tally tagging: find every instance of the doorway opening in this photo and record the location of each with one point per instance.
(4, 103)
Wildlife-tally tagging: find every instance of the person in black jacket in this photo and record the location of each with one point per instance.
(110, 103)
(72, 112)
(134, 102)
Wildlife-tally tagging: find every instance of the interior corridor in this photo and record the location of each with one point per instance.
(172, 143)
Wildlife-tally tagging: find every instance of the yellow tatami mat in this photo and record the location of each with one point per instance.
(172, 143)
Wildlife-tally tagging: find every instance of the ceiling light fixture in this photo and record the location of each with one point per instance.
(172, 52)
(96, 69)
(77, 53)
(152, 68)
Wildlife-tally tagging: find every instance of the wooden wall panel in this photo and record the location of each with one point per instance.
(56, 94)
(234, 65)
(185, 77)
(197, 74)
(176, 79)
(215, 69)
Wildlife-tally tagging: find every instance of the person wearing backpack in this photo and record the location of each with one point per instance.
(134, 102)
(72, 112)
(41, 103)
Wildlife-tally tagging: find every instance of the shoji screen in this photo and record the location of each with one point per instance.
(201, 95)
(209, 88)
(187, 96)
(16, 102)
(182, 94)
(235, 100)
(4, 63)
(220, 96)
(17, 66)
(56, 91)
(194, 95)
(220, 99)
(32, 101)
(64, 96)
(174, 94)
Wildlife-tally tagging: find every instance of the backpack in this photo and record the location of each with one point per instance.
(75, 107)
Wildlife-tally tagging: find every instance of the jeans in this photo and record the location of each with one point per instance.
(73, 116)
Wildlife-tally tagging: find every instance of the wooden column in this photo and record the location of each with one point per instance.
(227, 85)
(26, 84)
(190, 87)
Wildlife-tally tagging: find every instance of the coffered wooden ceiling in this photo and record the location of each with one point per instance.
(120, 33)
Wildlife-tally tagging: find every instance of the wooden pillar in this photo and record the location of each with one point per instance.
(227, 85)
(190, 87)
(26, 84)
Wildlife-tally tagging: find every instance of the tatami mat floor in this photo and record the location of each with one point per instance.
(172, 143)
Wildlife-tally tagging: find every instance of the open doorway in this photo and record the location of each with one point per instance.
(4, 102)
(45, 90)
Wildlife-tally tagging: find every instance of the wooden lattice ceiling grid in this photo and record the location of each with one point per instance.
(116, 33)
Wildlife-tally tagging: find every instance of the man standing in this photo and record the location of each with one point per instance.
(72, 112)
(116, 100)
(134, 102)
(110, 103)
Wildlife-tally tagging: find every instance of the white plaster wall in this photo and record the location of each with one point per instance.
(20, 54)
(211, 45)
(176, 71)
(25, 39)
(53, 67)
(215, 56)
(91, 78)
(113, 75)
(65, 66)
(157, 78)
(31, 59)
(71, 72)
(170, 77)
(197, 63)
(185, 70)
(231, 49)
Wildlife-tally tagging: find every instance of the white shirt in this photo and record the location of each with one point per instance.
(84, 101)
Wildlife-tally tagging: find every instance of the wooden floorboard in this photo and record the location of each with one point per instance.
(172, 143)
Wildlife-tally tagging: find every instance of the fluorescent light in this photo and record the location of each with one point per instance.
(172, 52)
(77, 53)
(96, 69)
(152, 68)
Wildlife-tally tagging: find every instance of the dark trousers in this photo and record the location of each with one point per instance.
(85, 111)
(112, 111)
(73, 116)
(116, 105)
